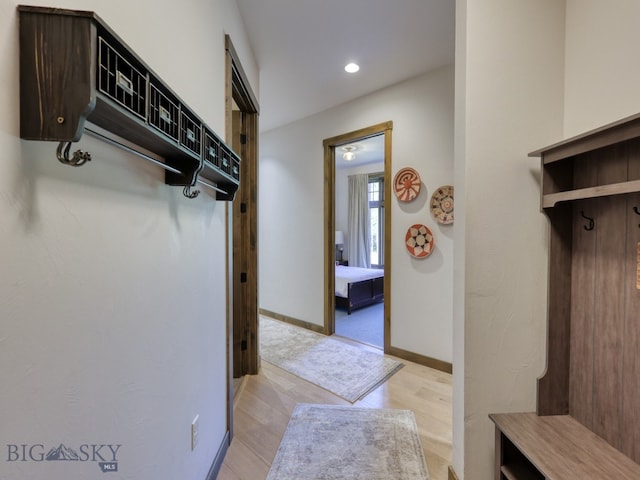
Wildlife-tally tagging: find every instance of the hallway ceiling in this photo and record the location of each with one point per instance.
(302, 46)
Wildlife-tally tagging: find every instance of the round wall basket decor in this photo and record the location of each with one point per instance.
(419, 241)
(406, 184)
(442, 204)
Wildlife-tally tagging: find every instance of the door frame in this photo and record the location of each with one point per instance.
(241, 222)
(330, 145)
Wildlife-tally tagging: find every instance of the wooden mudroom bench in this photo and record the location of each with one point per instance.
(587, 421)
(529, 446)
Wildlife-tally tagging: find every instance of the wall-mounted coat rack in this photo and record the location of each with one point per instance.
(74, 69)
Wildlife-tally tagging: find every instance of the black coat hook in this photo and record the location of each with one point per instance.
(592, 223)
(79, 157)
(187, 192)
(637, 212)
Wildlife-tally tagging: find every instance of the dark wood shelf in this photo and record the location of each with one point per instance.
(74, 69)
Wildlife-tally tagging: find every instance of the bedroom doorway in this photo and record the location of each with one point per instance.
(357, 300)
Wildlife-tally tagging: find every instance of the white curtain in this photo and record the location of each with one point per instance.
(359, 232)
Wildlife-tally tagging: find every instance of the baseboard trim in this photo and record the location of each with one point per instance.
(395, 351)
(452, 474)
(292, 321)
(421, 359)
(217, 462)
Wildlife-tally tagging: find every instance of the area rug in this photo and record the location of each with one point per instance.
(329, 442)
(347, 371)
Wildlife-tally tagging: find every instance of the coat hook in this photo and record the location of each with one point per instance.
(591, 225)
(637, 212)
(190, 194)
(79, 157)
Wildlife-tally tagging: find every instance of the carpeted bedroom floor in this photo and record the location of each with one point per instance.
(365, 325)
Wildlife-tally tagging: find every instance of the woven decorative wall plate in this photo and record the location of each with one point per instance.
(419, 241)
(406, 184)
(442, 204)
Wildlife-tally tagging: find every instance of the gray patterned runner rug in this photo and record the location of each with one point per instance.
(328, 442)
(345, 370)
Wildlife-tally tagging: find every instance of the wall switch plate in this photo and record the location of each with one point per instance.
(194, 432)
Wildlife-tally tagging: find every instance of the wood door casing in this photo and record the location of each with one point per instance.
(329, 145)
(241, 228)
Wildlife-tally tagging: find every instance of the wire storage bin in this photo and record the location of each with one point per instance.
(229, 162)
(164, 110)
(121, 78)
(235, 169)
(226, 161)
(211, 151)
(190, 131)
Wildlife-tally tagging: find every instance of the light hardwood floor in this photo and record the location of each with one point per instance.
(264, 403)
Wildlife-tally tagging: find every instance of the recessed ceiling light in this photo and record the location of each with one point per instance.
(352, 67)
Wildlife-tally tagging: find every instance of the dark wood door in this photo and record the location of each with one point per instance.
(244, 248)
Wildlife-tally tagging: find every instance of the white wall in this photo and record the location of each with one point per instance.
(112, 293)
(342, 197)
(509, 102)
(602, 71)
(520, 94)
(292, 210)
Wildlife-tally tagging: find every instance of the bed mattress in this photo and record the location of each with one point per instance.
(346, 275)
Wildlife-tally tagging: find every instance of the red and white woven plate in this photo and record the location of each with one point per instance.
(406, 184)
(419, 241)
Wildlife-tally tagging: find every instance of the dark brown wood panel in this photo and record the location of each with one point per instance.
(631, 357)
(57, 61)
(609, 301)
(633, 155)
(582, 304)
(582, 296)
(553, 386)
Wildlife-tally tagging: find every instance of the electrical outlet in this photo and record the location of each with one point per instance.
(194, 432)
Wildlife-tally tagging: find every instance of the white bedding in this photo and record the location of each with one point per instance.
(347, 275)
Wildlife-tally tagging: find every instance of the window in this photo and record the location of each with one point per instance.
(376, 219)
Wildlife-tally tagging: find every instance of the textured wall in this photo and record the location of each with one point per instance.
(112, 293)
(602, 68)
(509, 101)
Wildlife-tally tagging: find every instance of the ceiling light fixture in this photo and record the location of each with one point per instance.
(352, 67)
(348, 154)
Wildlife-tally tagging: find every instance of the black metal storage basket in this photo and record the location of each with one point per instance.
(164, 110)
(226, 162)
(190, 131)
(235, 168)
(211, 148)
(119, 79)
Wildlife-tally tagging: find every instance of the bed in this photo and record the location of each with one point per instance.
(358, 287)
